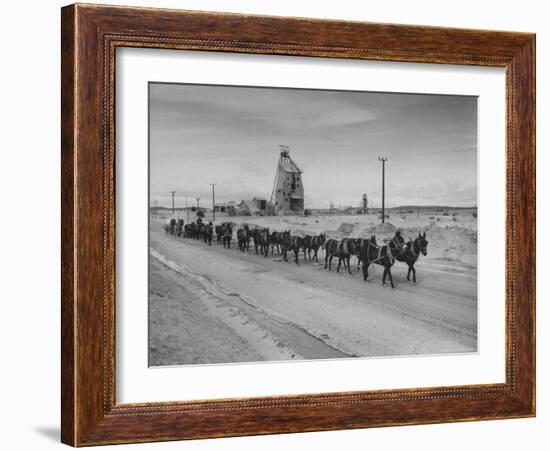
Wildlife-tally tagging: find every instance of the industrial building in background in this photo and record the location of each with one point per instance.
(287, 197)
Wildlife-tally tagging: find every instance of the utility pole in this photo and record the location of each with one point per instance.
(383, 160)
(173, 203)
(198, 205)
(213, 202)
(186, 210)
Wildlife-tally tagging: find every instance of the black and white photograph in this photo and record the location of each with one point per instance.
(289, 224)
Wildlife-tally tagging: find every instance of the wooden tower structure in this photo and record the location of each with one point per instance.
(287, 196)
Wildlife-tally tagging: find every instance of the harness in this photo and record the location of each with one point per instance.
(331, 246)
(344, 244)
(389, 252)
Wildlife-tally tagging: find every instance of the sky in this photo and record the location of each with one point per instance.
(230, 136)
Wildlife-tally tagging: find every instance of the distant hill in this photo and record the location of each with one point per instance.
(430, 208)
(160, 208)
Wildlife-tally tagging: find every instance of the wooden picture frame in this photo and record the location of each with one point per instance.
(90, 35)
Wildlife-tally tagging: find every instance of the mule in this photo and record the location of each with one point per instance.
(227, 231)
(342, 249)
(199, 229)
(411, 253)
(179, 228)
(291, 243)
(207, 233)
(189, 230)
(243, 238)
(306, 246)
(372, 253)
(260, 239)
(170, 226)
(331, 248)
(275, 240)
(317, 242)
(312, 243)
(219, 233)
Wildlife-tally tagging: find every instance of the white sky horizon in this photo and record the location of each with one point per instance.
(229, 135)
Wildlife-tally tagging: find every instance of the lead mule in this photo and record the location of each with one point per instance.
(411, 253)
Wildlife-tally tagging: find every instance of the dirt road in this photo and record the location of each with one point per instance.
(214, 305)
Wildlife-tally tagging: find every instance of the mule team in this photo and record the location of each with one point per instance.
(366, 250)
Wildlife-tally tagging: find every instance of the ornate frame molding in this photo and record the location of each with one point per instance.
(90, 37)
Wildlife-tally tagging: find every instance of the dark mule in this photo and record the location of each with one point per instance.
(306, 246)
(331, 248)
(243, 238)
(170, 226)
(313, 243)
(411, 253)
(317, 242)
(199, 229)
(384, 255)
(219, 233)
(275, 240)
(179, 228)
(260, 238)
(207, 233)
(189, 230)
(342, 249)
(227, 231)
(291, 243)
